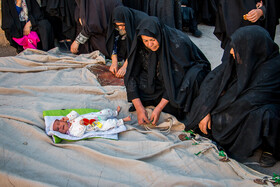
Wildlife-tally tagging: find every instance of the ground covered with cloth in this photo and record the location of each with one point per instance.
(35, 81)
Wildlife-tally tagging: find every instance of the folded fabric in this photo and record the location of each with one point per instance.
(28, 41)
(49, 117)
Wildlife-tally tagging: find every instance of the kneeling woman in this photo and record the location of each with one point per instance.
(165, 69)
(239, 104)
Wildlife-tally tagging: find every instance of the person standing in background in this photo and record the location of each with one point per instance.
(92, 17)
(20, 17)
(233, 14)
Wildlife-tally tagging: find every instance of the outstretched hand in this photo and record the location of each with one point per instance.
(74, 47)
(121, 72)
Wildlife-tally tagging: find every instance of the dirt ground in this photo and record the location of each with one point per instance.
(7, 51)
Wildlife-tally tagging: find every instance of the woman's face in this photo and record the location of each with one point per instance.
(232, 52)
(120, 27)
(150, 42)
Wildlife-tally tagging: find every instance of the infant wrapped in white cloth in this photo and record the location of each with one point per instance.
(76, 125)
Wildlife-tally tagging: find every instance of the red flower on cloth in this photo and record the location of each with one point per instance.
(88, 121)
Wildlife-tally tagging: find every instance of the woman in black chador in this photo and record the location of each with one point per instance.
(60, 13)
(165, 69)
(168, 11)
(233, 14)
(121, 31)
(238, 103)
(20, 17)
(92, 18)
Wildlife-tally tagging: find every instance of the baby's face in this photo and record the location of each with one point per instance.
(61, 126)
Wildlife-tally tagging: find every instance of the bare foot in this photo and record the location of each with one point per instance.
(128, 118)
(118, 109)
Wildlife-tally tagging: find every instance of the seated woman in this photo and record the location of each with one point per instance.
(238, 103)
(121, 31)
(92, 18)
(165, 69)
(20, 17)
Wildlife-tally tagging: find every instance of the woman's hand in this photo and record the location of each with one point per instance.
(155, 115)
(142, 116)
(156, 112)
(27, 28)
(205, 123)
(122, 70)
(254, 15)
(114, 66)
(75, 47)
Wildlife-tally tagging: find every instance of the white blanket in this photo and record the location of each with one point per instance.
(34, 81)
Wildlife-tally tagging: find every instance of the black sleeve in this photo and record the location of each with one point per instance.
(10, 21)
(35, 13)
(264, 12)
(132, 89)
(165, 96)
(132, 83)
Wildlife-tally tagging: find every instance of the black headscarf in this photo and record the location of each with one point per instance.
(180, 61)
(242, 94)
(230, 17)
(131, 18)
